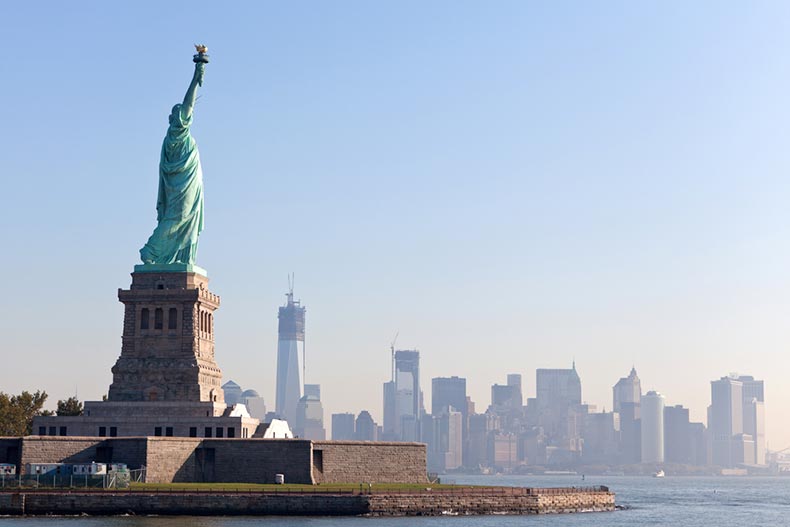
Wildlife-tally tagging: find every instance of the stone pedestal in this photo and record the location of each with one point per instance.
(167, 350)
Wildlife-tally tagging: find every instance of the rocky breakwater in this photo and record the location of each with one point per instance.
(492, 500)
(321, 502)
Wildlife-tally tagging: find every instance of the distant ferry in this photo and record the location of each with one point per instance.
(659, 474)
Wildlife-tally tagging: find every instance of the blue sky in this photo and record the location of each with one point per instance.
(510, 185)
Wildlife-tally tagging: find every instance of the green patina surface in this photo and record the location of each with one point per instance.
(179, 204)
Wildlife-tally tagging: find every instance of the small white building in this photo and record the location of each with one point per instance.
(40, 469)
(89, 469)
(276, 429)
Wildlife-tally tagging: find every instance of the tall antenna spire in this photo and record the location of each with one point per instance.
(291, 280)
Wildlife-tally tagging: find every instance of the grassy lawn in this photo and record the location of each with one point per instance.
(253, 487)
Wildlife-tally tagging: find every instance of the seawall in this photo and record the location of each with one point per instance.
(422, 503)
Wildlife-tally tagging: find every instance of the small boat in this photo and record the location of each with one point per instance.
(659, 474)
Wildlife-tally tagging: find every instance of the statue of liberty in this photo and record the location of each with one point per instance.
(179, 205)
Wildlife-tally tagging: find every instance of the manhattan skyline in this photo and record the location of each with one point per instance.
(510, 188)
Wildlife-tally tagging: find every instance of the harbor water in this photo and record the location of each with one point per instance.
(670, 501)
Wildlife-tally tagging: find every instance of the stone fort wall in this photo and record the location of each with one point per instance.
(172, 459)
(38, 449)
(181, 459)
(369, 461)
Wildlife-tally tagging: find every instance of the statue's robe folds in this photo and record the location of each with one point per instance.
(179, 204)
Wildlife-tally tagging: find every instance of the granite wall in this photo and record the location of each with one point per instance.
(369, 461)
(182, 459)
(172, 459)
(53, 449)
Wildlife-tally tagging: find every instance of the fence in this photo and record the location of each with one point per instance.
(113, 480)
(137, 475)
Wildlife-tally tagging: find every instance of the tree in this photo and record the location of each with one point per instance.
(17, 412)
(71, 406)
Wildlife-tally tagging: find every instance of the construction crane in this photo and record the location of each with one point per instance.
(392, 352)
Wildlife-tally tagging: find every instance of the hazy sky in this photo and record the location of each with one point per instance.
(511, 185)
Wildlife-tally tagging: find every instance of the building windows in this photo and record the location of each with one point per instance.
(169, 431)
(219, 431)
(102, 431)
(63, 430)
(231, 432)
(158, 431)
(113, 431)
(207, 432)
(192, 431)
(53, 431)
(158, 318)
(205, 320)
(145, 318)
(42, 430)
(172, 318)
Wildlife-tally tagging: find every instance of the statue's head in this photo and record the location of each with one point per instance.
(175, 114)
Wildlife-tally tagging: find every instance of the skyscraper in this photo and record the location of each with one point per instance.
(630, 433)
(514, 380)
(559, 408)
(725, 419)
(754, 415)
(627, 390)
(403, 399)
(388, 426)
(601, 434)
(313, 389)
(736, 421)
(232, 393)
(290, 358)
(254, 403)
(652, 408)
(445, 444)
(678, 446)
(309, 422)
(366, 429)
(754, 425)
(448, 391)
(505, 398)
(558, 386)
(343, 426)
(752, 388)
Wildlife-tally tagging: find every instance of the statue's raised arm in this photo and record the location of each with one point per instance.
(200, 59)
(197, 80)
